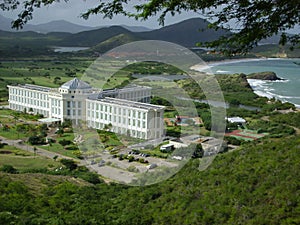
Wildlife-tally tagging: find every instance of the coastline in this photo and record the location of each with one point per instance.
(207, 65)
(260, 87)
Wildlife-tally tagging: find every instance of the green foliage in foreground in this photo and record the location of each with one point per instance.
(258, 184)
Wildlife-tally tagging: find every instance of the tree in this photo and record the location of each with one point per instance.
(64, 142)
(36, 140)
(69, 164)
(34, 151)
(8, 169)
(252, 20)
(198, 153)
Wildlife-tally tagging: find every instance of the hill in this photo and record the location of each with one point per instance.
(113, 42)
(28, 43)
(187, 33)
(57, 26)
(53, 26)
(258, 184)
(93, 37)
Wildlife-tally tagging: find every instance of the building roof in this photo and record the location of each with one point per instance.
(32, 87)
(128, 103)
(236, 120)
(76, 84)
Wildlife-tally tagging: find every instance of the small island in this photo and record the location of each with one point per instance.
(270, 76)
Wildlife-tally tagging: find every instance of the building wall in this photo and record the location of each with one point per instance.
(122, 119)
(21, 98)
(138, 120)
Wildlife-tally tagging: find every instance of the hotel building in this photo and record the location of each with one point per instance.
(125, 111)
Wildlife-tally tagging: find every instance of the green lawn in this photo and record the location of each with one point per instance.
(23, 160)
(58, 148)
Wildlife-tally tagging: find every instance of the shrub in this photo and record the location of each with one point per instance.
(69, 164)
(64, 142)
(8, 169)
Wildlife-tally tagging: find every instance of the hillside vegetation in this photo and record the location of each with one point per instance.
(258, 184)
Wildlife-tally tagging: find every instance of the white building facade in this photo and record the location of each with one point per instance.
(135, 119)
(125, 111)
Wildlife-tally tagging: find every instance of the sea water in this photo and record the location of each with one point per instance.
(288, 69)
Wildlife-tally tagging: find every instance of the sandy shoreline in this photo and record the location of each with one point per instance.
(206, 65)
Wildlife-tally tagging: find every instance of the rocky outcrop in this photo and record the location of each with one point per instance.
(264, 76)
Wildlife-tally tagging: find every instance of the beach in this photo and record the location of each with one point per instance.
(286, 90)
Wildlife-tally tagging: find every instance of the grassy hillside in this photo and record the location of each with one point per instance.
(258, 184)
(28, 44)
(114, 42)
(272, 50)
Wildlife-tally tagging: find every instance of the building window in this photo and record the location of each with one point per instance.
(68, 112)
(79, 112)
(68, 104)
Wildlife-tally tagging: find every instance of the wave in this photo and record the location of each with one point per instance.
(263, 94)
(263, 89)
(223, 71)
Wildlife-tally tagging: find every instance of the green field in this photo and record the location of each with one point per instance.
(23, 160)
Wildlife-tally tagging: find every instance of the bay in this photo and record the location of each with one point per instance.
(287, 90)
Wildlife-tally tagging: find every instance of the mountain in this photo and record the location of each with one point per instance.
(60, 26)
(186, 33)
(57, 26)
(53, 26)
(5, 23)
(93, 37)
(136, 28)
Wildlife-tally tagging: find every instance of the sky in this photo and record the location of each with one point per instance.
(71, 11)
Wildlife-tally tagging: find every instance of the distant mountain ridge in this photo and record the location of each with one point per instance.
(187, 33)
(93, 37)
(60, 26)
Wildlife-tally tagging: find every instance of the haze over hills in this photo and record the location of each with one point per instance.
(59, 26)
(187, 33)
(93, 37)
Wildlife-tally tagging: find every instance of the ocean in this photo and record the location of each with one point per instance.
(287, 90)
